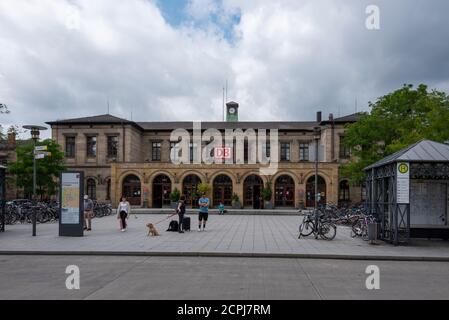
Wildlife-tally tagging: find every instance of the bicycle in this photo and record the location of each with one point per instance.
(360, 227)
(326, 229)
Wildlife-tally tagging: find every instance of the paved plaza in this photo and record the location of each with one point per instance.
(228, 235)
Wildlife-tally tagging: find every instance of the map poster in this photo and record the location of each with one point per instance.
(70, 198)
(71, 204)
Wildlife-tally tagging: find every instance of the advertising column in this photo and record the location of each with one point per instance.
(71, 204)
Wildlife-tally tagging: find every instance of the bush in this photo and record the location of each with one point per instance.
(204, 187)
(175, 195)
(235, 198)
(266, 193)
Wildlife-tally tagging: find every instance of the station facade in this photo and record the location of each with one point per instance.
(135, 159)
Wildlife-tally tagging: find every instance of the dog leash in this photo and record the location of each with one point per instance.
(165, 219)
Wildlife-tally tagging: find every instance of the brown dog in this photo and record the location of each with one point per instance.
(152, 230)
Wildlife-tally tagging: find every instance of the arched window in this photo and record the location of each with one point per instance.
(284, 189)
(131, 189)
(91, 188)
(161, 191)
(252, 191)
(222, 190)
(190, 189)
(310, 191)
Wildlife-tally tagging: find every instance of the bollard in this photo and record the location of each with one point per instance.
(372, 232)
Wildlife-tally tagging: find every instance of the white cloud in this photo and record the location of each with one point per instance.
(288, 59)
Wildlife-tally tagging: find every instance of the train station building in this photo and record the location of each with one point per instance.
(138, 160)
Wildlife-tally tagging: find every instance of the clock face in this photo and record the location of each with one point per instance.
(231, 110)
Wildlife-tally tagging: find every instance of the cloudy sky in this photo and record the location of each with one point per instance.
(169, 59)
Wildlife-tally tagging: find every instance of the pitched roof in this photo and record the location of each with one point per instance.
(348, 118)
(220, 125)
(104, 118)
(421, 151)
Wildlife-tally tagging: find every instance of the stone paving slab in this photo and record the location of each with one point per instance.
(228, 235)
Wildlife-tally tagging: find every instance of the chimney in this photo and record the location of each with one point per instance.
(331, 117)
(12, 138)
(318, 116)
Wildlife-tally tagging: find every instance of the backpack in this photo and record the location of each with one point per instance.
(173, 226)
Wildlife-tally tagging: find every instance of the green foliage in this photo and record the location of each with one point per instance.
(396, 120)
(204, 187)
(175, 195)
(47, 169)
(266, 193)
(235, 197)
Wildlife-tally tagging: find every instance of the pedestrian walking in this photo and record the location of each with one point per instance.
(123, 212)
(181, 210)
(203, 202)
(88, 213)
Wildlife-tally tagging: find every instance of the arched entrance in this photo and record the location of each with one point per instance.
(190, 189)
(222, 190)
(252, 190)
(131, 189)
(284, 194)
(161, 191)
(310, 191)
(343, 193)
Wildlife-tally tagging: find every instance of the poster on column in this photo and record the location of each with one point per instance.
(71, 204)
(403, 182)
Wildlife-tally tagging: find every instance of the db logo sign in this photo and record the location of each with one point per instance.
(222, 153)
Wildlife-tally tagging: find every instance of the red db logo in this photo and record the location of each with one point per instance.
(222, 153)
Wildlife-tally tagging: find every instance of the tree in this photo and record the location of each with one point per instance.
(204, 188)
(47, 169)
(396, 120)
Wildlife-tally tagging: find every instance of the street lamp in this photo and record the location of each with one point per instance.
(35, 130)
(316, 137)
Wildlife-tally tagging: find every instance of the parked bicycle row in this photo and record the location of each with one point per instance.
(324, 223)
(22, 210)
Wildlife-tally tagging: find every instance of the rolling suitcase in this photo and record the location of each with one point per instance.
(186, 223)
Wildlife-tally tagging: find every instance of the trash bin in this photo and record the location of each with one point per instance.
(372, 231)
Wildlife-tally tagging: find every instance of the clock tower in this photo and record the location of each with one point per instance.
(232, 111)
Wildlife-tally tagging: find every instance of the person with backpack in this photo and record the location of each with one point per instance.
(123, 212)
(181, 210)
(203, 202)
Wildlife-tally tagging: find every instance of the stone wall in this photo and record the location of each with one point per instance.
(134, 157)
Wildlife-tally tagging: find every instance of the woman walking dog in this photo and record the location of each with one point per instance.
(123, 212)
